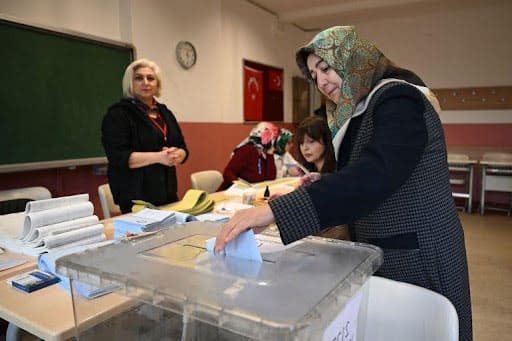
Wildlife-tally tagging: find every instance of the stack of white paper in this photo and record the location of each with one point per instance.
(55, 224)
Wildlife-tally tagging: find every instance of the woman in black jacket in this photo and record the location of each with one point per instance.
(142, 140)
(392, 184)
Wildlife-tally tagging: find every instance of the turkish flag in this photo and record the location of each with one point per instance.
(253, 94)
(275, 80)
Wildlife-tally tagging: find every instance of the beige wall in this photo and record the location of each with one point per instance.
(95, 17)
(460, 46)
(450, 44)
(250, 33)
(454, 46)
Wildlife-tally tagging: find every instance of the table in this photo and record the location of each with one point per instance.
(477, 152)
(30, 264)
(31, 311)
(496, 176)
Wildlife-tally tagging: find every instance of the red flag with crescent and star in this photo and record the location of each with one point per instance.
(253, 94)
(275, 80)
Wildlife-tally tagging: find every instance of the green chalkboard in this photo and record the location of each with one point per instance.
(54, 91)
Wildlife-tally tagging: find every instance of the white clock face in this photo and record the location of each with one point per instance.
(186, 54)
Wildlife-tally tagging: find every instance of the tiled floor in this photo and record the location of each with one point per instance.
(489, 251)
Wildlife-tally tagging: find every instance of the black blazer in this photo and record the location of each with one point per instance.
(126, 129)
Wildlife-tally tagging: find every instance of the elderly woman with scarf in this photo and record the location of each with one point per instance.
(392, 183)
(252, 159)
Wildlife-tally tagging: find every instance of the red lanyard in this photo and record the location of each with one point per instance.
(163, 129)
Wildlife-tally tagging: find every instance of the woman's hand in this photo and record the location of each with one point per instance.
(257, 218)
(167, 156)
(308, 179)
(172, 156)
(294, 171)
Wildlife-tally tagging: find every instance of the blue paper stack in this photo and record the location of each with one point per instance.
(147, 220)
(46, 262)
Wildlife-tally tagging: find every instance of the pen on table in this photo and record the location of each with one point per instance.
(131, 236)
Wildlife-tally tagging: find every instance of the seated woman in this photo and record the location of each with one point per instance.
(316, 149)
(252, 160)
(317, 155)
(286, 165)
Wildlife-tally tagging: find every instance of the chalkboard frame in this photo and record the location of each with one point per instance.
(71, 35)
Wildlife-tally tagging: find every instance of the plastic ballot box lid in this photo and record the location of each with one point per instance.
(294, 293)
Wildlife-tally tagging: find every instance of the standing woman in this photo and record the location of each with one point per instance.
(142, 140)
(392, 184)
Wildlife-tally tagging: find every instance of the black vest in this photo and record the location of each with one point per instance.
(422, 213)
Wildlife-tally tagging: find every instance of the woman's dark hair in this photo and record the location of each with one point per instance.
(316, 128)
(393, 71)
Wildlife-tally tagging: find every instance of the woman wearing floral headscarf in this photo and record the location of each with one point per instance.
(252, 159)
(392, 184)
(286, 165)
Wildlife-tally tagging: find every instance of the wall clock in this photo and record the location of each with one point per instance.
(186, 54)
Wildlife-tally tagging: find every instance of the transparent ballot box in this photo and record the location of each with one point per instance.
(312, 289)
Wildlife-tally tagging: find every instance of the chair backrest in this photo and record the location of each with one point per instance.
(32, 193)
(208, 180)
(107, 201)
(457, 157)
(15, 200)
(401, 311)
(498, 157)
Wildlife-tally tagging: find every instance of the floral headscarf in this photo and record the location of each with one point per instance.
(359, 64)
(262, 136)
(284, 137)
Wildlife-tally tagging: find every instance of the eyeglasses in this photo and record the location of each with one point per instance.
(140, 78)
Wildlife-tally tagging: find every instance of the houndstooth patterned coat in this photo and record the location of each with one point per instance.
(417, 226)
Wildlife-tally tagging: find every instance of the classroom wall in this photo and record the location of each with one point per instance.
(94, 17)
(465, 44)
(454, 47)
(207, 99)
(223, 32)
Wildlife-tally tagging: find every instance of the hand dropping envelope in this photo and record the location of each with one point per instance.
(244, 246)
